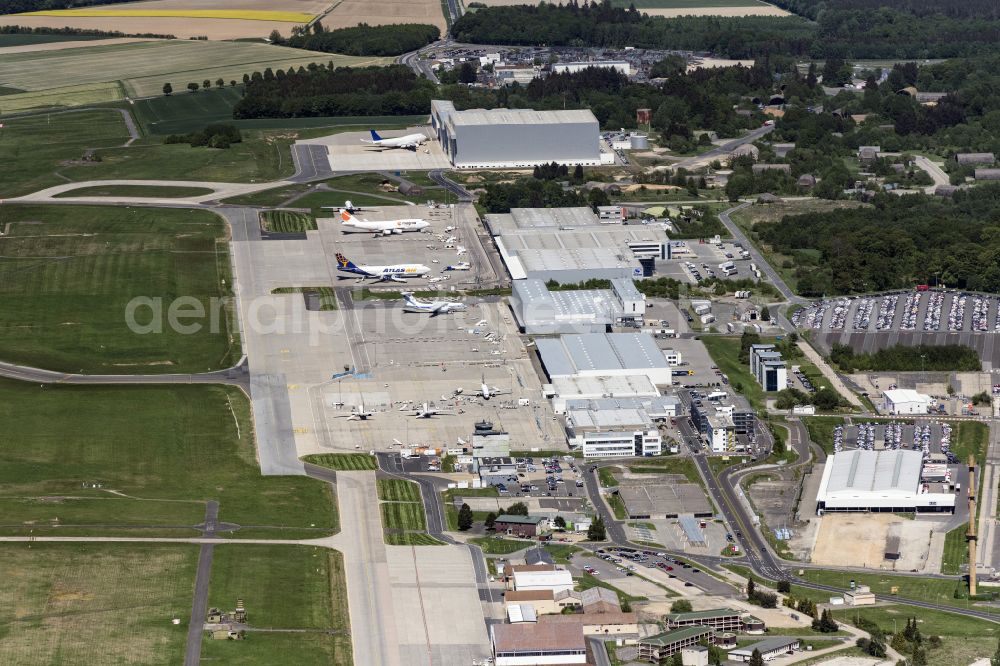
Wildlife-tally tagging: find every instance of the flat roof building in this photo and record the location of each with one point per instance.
(656, 649)
(516, 138)
(562, 390)
(602, 354)
(572, 245)
(658, 499)
(769, 648)
(538, 643)
(556, 580)
(906, 401)
(878, 481)
(721, 619)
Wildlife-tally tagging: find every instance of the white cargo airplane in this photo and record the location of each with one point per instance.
(351, 224)
(410, 141)
(433, 308)
(485, 391)
(460, 266)
(428, 412)
(349, 207)
(394, 273)
(357, 414)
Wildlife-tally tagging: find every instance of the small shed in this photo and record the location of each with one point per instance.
(987, 174)
(806, 180)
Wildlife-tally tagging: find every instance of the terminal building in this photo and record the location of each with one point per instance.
(880, 481)
(516, 138)
(573, 245)
(604, 354)
(541, 311)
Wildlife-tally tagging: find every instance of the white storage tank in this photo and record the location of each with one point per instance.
(639, 141)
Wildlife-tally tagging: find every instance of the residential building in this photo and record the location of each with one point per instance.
(720, 619)
(657, 649)
(525, 527)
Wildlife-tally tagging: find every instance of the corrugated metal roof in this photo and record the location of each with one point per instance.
(520, 117)
(874, 471)
(594, 352)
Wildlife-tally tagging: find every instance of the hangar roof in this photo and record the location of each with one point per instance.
(874, 471)
(590, 352)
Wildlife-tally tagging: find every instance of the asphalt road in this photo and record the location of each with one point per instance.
(757, 257)
(934, 171)
(311, 163)
(721, 153)
(235, 376)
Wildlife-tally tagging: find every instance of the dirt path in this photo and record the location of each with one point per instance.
(828, 372)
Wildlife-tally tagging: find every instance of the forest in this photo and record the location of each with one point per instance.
(842, 28)
(362, 40)
(18, 6)
(936, 358)
(341, 91)
(894, 244)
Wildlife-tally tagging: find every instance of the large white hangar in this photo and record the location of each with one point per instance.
(604, 354)
(516, 138)
(880, 481)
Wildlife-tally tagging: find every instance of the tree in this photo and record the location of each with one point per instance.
(467, 73)
(465, 517)
(220, 82)
(167, 88)
(597, 531)
(517, 509)
(491, 519)
(578, 173)
(206, 84)
(560, 522)
(751, 588)
(232, 83)
(681, 606)
(677, 660)
(765, 314)
(784, 586)
(756, 659)
(919, 657)
(193, 87)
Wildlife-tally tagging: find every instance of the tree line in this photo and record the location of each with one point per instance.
(88, 32)
(937, 358)
(19, 6)
(844, 28)
(601, 24)
(322, 90)
(362, 39)
(896, 243)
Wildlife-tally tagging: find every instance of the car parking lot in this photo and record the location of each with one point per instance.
(933, 317)
(703, 260)
(620, 561)
(545, 477)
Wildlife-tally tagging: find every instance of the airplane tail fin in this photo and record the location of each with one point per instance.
(345, 216)
(375, 136)
(408, 297)
(348, 205)
(344, 261)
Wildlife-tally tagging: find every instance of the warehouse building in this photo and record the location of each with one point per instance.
(906, 401)
(538, 643)
(602, 354)
(880, 481)
(515, 138)
(564, 390)
(573, 245)
(543, 312)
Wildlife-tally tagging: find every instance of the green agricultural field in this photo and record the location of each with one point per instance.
(287, 221)
(71, 272)
(935, 590)
(32, 149)
(261, 156)
(964, 639)
(100, 603)
(411, 539)
(327, 297)
(344, 462)
(64, 97)
(183, 112)
(155, 453)
(28, 39)
(403, 516)
(157, 191)
(283, 587)
(145, 66)
(398, 490)
(500, 546)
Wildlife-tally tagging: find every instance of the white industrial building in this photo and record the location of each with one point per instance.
(508, 76)
(879, 481)
(556, 580)
(563, 390)
(572, 245)
(906, 401)
(603, 354)
(573, 67)
(515, 138)
(539, 310)
(620, 432)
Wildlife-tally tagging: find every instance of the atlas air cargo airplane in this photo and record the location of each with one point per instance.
(395, 273)
(385, 227)
(410, 141)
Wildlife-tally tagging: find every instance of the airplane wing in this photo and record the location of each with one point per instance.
(393, 278)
